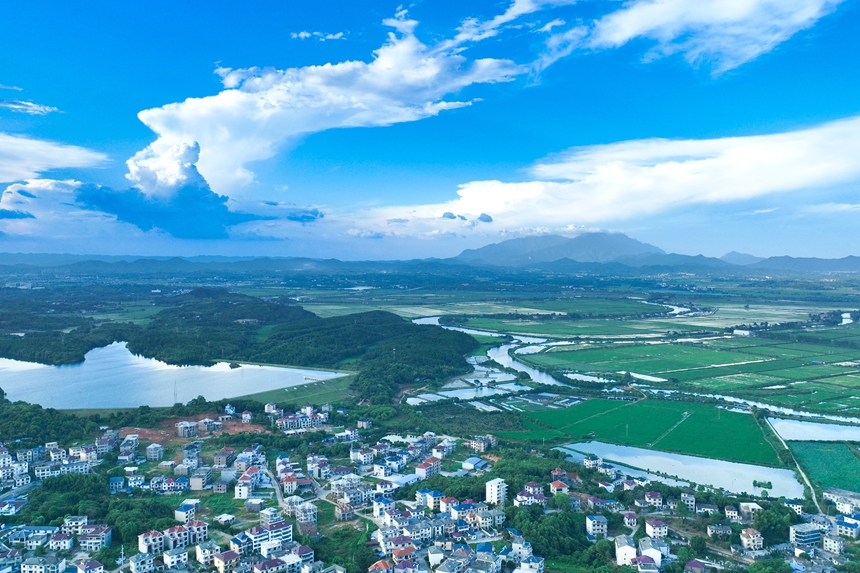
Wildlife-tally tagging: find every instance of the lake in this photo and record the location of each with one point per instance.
(814, 431)
(113, 377)
(730, 476)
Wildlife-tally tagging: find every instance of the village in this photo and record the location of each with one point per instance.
(274, 501)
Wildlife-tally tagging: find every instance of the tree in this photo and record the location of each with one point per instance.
(776, 565)
(699, 544)
(560, 501)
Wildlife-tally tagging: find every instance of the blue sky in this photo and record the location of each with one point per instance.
(387, 130)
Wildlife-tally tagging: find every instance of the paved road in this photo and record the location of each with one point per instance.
(277, 485)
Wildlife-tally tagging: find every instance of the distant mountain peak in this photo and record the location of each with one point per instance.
(598, 247)
(743, 259)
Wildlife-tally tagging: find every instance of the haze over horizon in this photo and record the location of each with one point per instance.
(399, 132)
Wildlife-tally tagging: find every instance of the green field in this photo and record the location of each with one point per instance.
(312, 393)
(829, 464)
(682, 427)
(800, 375)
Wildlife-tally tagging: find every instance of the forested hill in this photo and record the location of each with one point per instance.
(208, 325)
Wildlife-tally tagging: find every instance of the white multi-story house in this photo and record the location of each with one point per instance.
(751, 539)
(496, 491)
(625, 550)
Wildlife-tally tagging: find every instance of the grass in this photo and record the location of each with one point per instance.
(829, 464)
(334, 390)
(682, 427)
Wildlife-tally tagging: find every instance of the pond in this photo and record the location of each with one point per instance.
(731, 476)
(814, 431)
(113, 377)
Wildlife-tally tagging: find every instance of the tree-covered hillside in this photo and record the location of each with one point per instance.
(207, 325)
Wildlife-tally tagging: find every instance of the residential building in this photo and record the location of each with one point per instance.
(176, 558)
(206, 552)
(43, 565)
(150, 542)
(142, 563)
(184, 513)
(833, 544)
(226, 562)
(751, 539)
(731, 513)
(154, 452)
(596, 525)
(625, 550)
(656, 529)
(655, 499)
(496, 492)
(689, 500)
(804, 534)
(748, 509)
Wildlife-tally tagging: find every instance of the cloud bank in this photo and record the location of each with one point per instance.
(604, 184)
(722, 33)
(25, 158)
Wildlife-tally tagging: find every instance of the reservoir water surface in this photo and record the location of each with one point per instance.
(113, 377)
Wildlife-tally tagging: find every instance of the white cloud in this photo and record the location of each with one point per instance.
(160, 171)
(475, 30)
(27, 107)
(322, 36)
(602, 184)
(262, 110)
(15, 88)
(727, 33)
(24, 158)
(550, 25)
(50, 209)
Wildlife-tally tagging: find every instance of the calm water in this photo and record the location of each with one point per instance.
(815, 431)
(113, 377)
(730, 476)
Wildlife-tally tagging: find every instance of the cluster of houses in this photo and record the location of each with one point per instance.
(440, 529)
(296, 422)
(90, 537)
(52, 460)
(450, 557)
(384, 460)
(264, 548)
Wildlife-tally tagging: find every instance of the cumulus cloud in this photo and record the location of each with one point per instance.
(25, 158)
(602, 184)
(27, 107)
(723, 33)
(262, 110)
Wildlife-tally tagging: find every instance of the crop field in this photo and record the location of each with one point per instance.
(829, 464)
(814, 377)
(682, 427)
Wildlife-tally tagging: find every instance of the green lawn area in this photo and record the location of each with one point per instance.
(683, 427)
(311, 393)
(829, 464)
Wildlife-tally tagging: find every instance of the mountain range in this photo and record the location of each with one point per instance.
(597, 252)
